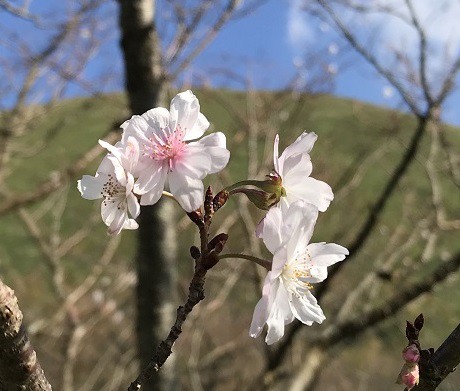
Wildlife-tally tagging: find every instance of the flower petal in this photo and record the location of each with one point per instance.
(118, 222)
(130, 224)
(153, 195)
(131, 155)
(326, 254)
(276, 154)
(133, 205)
(120, 173)
(113, 150)
(152, 177)
(90, 187)
(317, 274)
(198, 129)
(272, 230)
(184, 112)
(215, 146)
(138, 128)
(263, 307)
(188, 191)
(195, 162)
(280, 315)
(311, 190)
(108, 212)
(260, 229)
(303, 144)
(298, 226)
(307, 309)
(296, 168)
(157, 118)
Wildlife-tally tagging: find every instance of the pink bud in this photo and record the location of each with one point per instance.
(411, 354)
(409, 375)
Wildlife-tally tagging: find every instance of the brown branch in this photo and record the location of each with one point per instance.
(422, 53)
(356, 325)
(441, 363)
(208, 257)
(388, 75)
(16, 201)
(361, 322)
(207, 39)
(19, 367)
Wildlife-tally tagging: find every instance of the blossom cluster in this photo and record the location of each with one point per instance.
(158, 148)
(409, 375)
(163, 148)
(286, 231)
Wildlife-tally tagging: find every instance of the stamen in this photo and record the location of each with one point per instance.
(169, 148)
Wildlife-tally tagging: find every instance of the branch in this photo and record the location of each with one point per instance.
(205, 258)
(14, 202)
(20, 12)
(449, 82)
(370, 58)
(223, 18)
(19, 367)
(441, 363)
(356, 325)
(423, 51)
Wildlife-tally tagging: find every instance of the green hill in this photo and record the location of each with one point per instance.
(358, 147)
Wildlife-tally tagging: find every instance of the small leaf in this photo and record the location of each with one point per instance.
(418, 323)
(195, 252)
(411, 331)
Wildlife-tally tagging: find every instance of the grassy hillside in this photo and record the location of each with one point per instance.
(352, 135)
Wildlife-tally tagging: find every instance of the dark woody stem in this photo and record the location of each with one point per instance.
(206, 260)
(262, 262)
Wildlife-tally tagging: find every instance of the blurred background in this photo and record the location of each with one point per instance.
(377, 80)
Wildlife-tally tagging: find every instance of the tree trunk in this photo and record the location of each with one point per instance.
(156, 269)
(19, 366)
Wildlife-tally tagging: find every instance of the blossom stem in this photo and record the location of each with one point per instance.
(169, 195)
(248, 182)
(262, 262)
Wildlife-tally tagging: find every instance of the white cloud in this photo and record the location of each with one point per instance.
(438, 18)
(298, 28)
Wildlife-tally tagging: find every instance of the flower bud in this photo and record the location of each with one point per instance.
(196, 216)
(259, 198)
(195, 252)
(411, 354)
(409, 375)
(267, 193)
(220, 199)
(208, 198)
(217, 243)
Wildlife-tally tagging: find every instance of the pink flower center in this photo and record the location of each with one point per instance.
(166, 148)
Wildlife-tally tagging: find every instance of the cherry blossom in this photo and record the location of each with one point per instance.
(296, 265)
(168, 154)
(294, 168)
(114, 184)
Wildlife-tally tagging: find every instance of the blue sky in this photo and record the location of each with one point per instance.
(263, 47)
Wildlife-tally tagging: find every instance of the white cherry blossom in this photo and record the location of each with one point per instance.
(114, 183)
(168, 154)
(296, 266)
(294, 167)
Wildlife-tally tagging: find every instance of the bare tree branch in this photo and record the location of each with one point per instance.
(16, 201)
